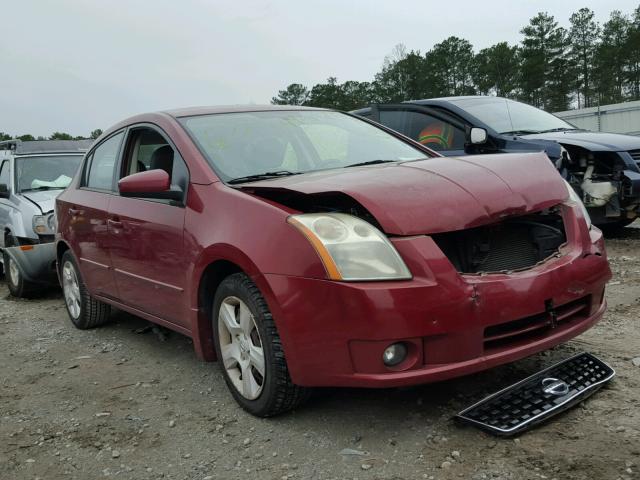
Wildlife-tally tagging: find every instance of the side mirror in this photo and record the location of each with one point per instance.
(477, 136)
(150, 184)
(4, 191)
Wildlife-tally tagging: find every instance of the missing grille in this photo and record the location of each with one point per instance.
(511, 245)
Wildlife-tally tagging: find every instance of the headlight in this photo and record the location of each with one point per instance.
(573, 196)
(350, 248)
(44, 224)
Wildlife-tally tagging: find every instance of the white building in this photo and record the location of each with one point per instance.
(616, 118)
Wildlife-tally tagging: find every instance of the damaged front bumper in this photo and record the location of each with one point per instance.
(451, 324)
(612, 198)
(37, 262)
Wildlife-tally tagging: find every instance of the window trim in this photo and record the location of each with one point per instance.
(8, 162)
(88, 163)
(124, 151)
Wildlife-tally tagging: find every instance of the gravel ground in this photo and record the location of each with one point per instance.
(115, 403)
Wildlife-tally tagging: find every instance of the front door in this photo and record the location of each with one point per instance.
(146, 235)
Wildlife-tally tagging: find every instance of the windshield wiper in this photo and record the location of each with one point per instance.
(262, 176)
(370, 162)
(43, 188)
(560, 129)
(520, 132)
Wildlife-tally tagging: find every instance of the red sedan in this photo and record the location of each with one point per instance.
(306, 247)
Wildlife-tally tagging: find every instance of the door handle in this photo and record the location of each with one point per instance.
(114, 223)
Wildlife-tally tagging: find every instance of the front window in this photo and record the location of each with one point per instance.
(46, 172)
(510, 117)
(240, 145)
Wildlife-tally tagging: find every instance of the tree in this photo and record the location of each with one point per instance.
(356, 95)
(545, 67)
(60, 136)
(497, 70)
(583, 39)
(611, 58)
(27, 137)
(4, 136)
(451, 64)
(404, 78)
(326, 95)
(95, 134)
(294, 94)
(633, 52)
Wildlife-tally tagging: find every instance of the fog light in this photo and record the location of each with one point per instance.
(394, 354)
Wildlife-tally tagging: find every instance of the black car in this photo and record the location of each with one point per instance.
(603, 168)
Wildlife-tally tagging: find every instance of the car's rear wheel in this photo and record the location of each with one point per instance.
(84, 310)
(249, 350)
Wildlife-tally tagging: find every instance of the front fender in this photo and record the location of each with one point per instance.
(36, 262)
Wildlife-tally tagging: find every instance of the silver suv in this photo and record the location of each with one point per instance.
(32, 174)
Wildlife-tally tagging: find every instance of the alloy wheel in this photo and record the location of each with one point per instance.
(241, 347)
(14, 272)
(71, 289)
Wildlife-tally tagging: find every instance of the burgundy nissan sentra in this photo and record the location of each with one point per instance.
(306, 247)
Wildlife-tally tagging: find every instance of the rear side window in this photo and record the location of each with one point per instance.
(102, 164)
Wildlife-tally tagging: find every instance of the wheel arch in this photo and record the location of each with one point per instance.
(214, 265)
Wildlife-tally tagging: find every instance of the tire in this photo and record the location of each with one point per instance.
(616, 227)
(84, 311)
(18, 286)
(239, 301)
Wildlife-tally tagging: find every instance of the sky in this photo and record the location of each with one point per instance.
(78, 65)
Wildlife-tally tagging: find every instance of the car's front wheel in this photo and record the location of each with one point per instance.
(18, 286)
(249, 350)
(84, 310)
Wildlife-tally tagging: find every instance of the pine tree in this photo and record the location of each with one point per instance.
(611, 59)
(294, 94)
(545, 77)
(496, 70)
(583, 39)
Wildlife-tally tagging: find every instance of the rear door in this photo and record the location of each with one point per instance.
(85, 208)
(146, 235)
(432, 128)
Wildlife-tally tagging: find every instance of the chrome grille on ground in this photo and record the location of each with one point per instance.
(540, 396)
(506, 334)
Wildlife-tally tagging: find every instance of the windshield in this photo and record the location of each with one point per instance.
(509, 116)
(246, 144)
(46, 172)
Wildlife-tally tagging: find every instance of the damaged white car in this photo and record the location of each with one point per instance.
(32, 175)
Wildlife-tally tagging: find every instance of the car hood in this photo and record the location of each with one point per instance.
(44, 199)
(438, 194)
(593, 141)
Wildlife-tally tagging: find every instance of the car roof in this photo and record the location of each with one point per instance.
(441, 100)
(437, 101)
(209, 110)
(19, 147)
